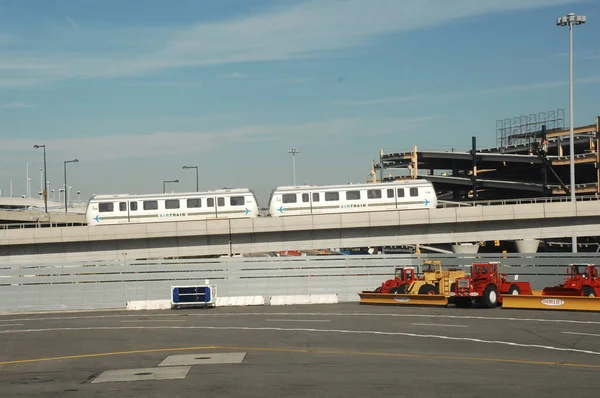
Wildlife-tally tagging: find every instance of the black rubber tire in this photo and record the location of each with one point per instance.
(462, 302)
(428, 289)
(514, 290)
(589, 291)
(399, 289)
(490, 296)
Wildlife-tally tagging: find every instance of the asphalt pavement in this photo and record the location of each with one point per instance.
(339, 350)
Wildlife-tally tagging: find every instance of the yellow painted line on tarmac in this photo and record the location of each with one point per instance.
(107, 354)
(404, 355)
(307, 351)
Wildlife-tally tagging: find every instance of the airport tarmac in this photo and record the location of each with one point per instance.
(337, 350)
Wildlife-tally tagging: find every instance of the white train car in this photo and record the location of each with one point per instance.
(351, 198)
(126, 209)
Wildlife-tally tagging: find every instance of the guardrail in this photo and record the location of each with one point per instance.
(41, 224)
(499, 202)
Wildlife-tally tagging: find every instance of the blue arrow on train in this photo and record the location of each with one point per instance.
(97, 218)
(246, 211)
(426, 202)
(280, 209)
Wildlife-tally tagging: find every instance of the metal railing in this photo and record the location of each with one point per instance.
(499, 202)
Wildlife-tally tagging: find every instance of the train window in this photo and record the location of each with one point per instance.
(400, 192)
(414, 192)
(374, 194)
(390, 193)
(332, 196)
(236, 201)
(172, 204)
(210, 202)
(191, 203)
(104, 207)
(305, 197)
(150, 205)
(289, 198)
(315, 196)
(352, 195)
(123, 206)
(220, 202)
(133, 206)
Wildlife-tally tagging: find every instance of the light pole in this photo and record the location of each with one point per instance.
(27, 182)
(570, 20)
(165, 185)
(294, 151)
(44, 193)
(65, 169)
(193, 167)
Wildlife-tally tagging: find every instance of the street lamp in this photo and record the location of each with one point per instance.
(294, 151)
(165, 185)
(570, 20)
(193, 167)
(44, 193)
(65, 164)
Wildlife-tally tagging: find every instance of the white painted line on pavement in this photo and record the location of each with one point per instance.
(153, 320)
(438, 324)
(298, 320)
(582, 334)
(323, 314)
(276, 329)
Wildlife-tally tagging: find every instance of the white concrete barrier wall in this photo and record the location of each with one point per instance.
(239, 301)
(146, 284)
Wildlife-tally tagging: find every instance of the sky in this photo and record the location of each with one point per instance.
(136, 90)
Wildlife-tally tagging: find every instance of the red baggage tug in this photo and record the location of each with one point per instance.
(486, 286)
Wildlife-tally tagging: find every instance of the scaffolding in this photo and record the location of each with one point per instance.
(527, 128)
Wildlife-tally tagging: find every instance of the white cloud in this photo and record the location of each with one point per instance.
(517, 88)
(539, 86)
(72, 22)
(377, 101)
(164, 143)
(234, 75)
(18, 105)
(295, 30)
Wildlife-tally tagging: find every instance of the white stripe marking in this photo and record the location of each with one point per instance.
(583, 334)
(438, 324)
(298, 320)
(153, 320)
(340, 331)
(485, 318)
(11, 324)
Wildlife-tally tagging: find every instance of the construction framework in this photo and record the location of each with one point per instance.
(531, 161)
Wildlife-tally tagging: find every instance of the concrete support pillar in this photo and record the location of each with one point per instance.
(527, 245)
(465, 248)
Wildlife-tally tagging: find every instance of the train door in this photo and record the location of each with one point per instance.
(314, 198)
(307, 200)
(131, 207)
(399, 195)
(220, 205)
(210, 203)
(123, 207)
(392, 195)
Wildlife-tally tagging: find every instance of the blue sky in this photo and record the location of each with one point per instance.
(136, 90)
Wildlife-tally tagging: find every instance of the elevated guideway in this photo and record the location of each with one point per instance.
(18, 212)
(510, 221)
